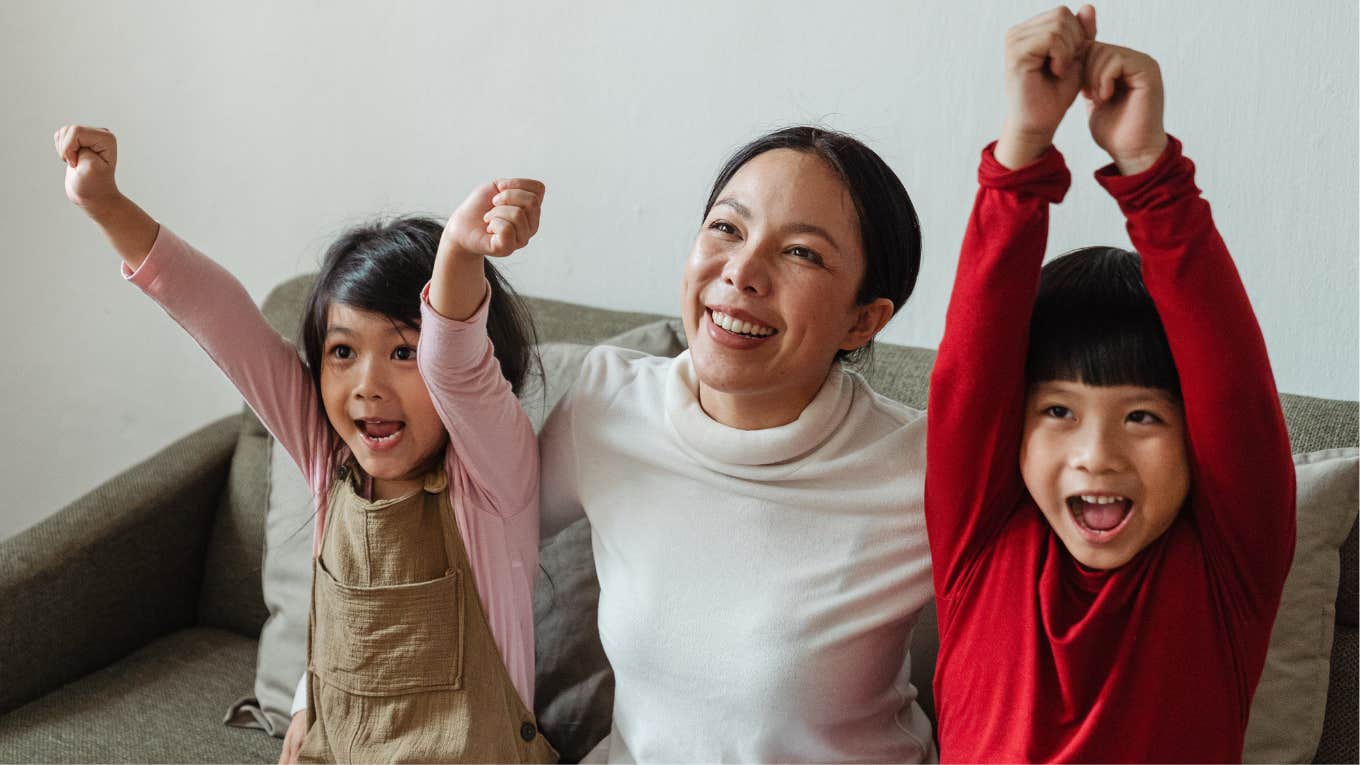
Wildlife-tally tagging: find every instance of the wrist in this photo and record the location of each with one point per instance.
(1135, 162)
(107, 209)
(1017, 148)
(452, 252)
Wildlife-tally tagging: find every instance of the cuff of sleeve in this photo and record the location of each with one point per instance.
(164, 250)
(429, 316)
(1171, 176)
(299, 696)
(1046, 177)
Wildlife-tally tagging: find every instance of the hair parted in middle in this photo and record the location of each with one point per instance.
(888, 226)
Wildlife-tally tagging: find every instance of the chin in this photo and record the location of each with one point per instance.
(1101, 560)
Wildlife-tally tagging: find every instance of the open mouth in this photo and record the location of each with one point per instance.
(380, 434)
(743, 328)
(1101, 515)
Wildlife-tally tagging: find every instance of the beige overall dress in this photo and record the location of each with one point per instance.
(402, 666)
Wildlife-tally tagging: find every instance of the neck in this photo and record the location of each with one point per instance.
(756, 411)
(382, 488)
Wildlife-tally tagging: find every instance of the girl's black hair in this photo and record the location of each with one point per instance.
(888, 227)
(1095, 323)
(381, 268)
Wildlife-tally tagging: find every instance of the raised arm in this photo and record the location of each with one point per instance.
(977, 385)
(1243, 476)
(202, 297)
(488, 429)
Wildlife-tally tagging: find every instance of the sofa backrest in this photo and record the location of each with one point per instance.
(232, 596)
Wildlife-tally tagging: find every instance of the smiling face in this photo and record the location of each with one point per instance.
(1107, 466)
(768, 295)
(377, 401)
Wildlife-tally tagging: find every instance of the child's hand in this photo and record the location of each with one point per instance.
(496, 219)
(1125, 88)
(292, 739)
(90, 154)
(1043, 62)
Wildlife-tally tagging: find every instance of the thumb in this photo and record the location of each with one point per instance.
(1087, 16)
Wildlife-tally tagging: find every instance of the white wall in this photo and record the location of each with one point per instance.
(260, 130)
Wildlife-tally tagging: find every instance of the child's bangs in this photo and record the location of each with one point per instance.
(1095, 323)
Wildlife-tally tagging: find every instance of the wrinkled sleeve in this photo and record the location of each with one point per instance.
(213, 307)
(977, 387)
(488, 429)
(1243, 475)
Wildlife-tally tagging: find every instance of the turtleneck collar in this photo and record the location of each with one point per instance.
(737, 452)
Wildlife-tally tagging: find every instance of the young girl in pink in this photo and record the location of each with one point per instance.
(403, 419)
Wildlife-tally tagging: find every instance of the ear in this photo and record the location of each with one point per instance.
(869, 319)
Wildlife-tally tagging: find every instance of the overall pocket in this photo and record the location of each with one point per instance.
(385, 641)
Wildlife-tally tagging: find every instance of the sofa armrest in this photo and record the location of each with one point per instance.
(112, 570)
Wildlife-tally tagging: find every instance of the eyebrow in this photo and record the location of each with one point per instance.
(794, 228)
(395, 329)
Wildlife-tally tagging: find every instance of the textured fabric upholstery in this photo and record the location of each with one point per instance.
(161, 704)
(114, 570)
(1339, 740)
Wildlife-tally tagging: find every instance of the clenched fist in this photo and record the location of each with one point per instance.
(91, 155)
(1044, 59)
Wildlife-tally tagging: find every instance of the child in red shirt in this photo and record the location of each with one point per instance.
(1109, 491)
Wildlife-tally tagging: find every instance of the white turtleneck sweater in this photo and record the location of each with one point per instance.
(757, 588)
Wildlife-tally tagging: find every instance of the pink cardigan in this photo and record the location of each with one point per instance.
(491, 460)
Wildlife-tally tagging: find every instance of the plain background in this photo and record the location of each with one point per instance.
(259, 131)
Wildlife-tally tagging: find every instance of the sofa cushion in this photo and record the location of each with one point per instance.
(287, 581)
(161, 704)
(1287, 712)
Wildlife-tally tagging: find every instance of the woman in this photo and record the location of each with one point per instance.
(755, 509)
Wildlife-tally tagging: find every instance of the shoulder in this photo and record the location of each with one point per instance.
(881, 430)
(608, 373)
(609, 367)
(876, 407)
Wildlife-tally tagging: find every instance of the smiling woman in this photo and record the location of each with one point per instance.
(756, 508)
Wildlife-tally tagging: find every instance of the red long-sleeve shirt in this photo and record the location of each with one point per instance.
(1040, 658)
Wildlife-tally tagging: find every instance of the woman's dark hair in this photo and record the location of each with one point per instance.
(888, 227)
(381, 267)
(1095, 323)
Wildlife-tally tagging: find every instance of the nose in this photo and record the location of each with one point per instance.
(747, 269)
(370, 382)
(1096, 449)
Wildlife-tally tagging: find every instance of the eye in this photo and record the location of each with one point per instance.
(341, 352)
(404, 353)
(723, 227)
(803, 253)
(1144, 417)
(1056, 411)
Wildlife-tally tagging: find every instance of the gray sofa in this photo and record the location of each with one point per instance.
(130, 618)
